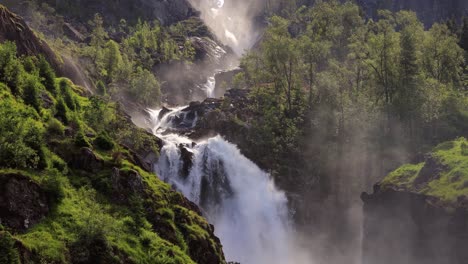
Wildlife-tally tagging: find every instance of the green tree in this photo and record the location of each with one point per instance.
(145, 88)
(31, 89)
(112, 61)
(443, 56)
(47, 75)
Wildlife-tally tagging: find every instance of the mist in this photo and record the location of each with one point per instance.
(233, 22)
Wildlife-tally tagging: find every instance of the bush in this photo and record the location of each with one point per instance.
(61, 111)
(53, 184)
(8, 252)
(104, 142)
(81, 140)
(54, 127)
(31, 92)
(47, 75)
(464, 149)
(69, 98)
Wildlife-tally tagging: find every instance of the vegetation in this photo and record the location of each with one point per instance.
(448, 179)
(330, 88)
(44, 123)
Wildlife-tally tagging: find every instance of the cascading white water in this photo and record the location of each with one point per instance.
(209, 87)
(249, 213)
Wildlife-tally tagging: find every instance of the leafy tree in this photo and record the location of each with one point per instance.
(144, 87)
(47, 75)
(112, 61)
(31, 89)
(443, 56)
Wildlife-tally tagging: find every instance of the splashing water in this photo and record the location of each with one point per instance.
(209, 87)
(249, 213)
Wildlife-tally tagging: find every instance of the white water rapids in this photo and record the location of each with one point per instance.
(249, 213)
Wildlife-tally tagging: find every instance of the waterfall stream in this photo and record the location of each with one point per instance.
(249, 213)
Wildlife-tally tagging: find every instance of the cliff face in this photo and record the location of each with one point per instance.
(429, 11)
(418, 214)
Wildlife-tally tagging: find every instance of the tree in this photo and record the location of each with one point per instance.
(31, 89)
(47, 75)
(112, 61)
(443, 56)
(144, 87)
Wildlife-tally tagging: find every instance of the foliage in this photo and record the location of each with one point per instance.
(451, 181)
(8, 253)
(81, 140)
(104, 142)
(144, 87)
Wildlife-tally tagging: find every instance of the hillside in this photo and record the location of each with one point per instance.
(76, 180)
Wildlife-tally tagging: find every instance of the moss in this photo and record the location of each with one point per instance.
(403, 176)
(452, 168)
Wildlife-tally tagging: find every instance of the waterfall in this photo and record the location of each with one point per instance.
(249, 213)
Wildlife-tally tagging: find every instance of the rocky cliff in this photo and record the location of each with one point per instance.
(419, 213)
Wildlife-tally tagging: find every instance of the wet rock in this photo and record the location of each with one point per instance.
(164, 111)
(186, 157)
(23, 203)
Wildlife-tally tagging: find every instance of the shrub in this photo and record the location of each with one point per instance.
(104, 142)
(101, 88)
(464, 149)
(81, 140)
(61, 111)
(8, 252)
(53, 184)
(69, 98)
(54, 127)
(31, 92)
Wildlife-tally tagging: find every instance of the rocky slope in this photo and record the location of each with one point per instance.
(14, 28)
(419, 213)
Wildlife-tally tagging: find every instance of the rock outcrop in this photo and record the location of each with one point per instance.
(14, 28)
(23, 203)
(409, 228)
(419, 213)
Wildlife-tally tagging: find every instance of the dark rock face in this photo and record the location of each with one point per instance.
(23, 203)
(14, 28)
(408, 228)
(86, 160)
(125, 183)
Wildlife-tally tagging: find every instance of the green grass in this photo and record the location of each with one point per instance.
(452, 182)
(404, 176)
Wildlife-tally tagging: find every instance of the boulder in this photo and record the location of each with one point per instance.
(23, 203)
(126, 183)
(86, 160)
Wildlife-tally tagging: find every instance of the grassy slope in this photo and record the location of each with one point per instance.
(452, 183)
(84, 215)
